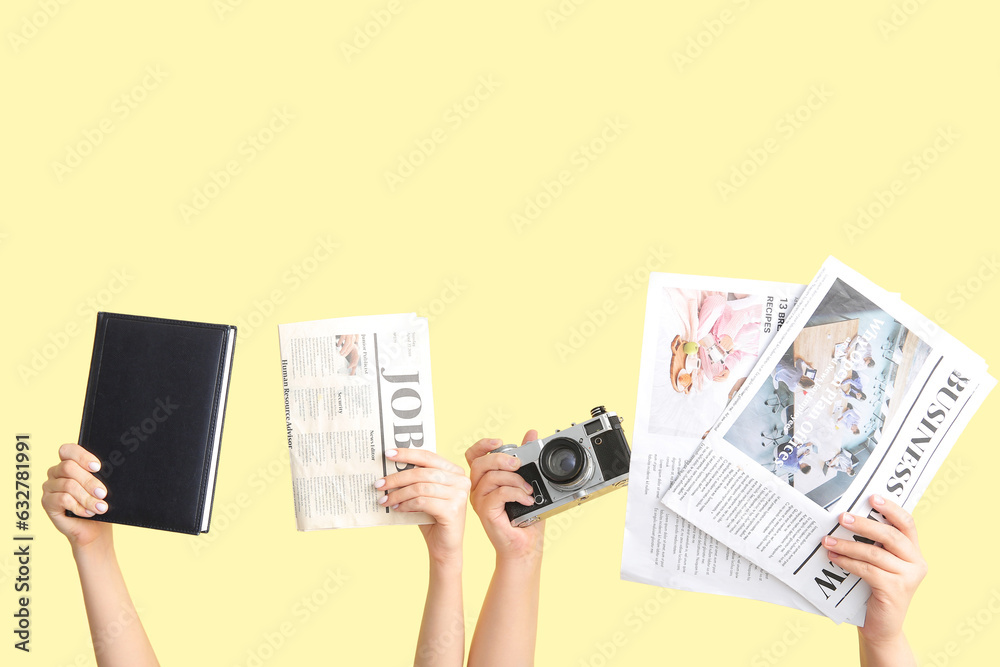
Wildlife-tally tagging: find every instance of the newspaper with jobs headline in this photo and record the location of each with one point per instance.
(857, 394)
(702, 337)
(354, 387)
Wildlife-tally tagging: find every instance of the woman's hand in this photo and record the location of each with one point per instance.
(494, 483)
(435, 486)
(72, 486)
(893, 571)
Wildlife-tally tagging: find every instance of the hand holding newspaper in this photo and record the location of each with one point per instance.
(354, 387)
(872, 396)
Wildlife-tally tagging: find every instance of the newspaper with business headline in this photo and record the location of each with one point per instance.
(354, 387)
(701, 338)
(857, 394)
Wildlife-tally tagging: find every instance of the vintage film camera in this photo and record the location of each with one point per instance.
(571, 466)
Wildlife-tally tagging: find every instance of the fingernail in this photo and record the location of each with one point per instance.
(513, 463)
(102, 507)
(383, 500)
(99, 492)
(379, 483)
(390, 453)
(495, 442)
(846, 518)
(95, 466)
(831, 555)
(829, 540)
(528, 489)
(878, 500)
(88, 513)
(395, 506)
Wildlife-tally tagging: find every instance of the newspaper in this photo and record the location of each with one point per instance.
(354, 387)
(872, 395)
(672, 415)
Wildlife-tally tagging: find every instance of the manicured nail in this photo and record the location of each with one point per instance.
(513, 463)
(99, 492)
(846, 518)
(831, 555)
(383, 500)
(395, 506)
(528, 489)
(495, 442)
(829, 540)
(878, 500)
(88, 513)
(102, 507)
(391, 453)
(95, 466)
(379, 483)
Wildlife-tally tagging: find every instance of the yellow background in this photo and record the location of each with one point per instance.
(684, 126)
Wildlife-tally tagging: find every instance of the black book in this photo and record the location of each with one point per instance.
(156, 398)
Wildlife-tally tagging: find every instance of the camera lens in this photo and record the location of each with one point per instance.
(562, 460)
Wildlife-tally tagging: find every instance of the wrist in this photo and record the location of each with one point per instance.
(889, 648)
(98, 551)
(522, 563)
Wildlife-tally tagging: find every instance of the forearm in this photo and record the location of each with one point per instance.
(508, 624)
(115, 629)
(442, 630)
(891, 653)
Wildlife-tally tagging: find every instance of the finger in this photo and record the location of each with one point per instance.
(532, 434)
(423, 489)
(873, 576)
(400, 479)
(73, 488)
(508, 494)
(897, 516)
(423, 458)
(481, 448)
(71, 469)
(498, 461)
(436, 507)
(893, 540)
(57, 503)
(863, 551)
(74, 452)
(499, 478)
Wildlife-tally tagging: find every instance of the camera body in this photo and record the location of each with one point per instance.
(571, 466)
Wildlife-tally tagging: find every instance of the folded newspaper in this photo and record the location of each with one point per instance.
(701, 339)
(857, 394)
(354, 387)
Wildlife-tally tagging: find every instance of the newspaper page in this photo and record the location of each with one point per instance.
(872, 396)
(353, 387)
(681, 394)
